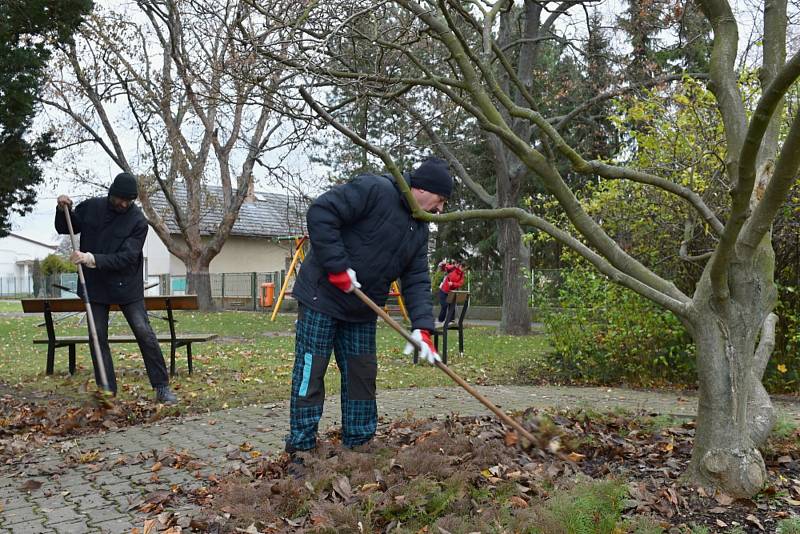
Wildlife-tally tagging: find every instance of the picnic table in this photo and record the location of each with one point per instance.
(167, 303)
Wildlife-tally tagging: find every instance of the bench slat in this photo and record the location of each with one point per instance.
(130, 339)
(178, 302)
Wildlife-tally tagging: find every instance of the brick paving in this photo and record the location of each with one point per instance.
(77, 499)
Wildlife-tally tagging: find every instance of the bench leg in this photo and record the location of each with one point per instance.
(172, 359)
(72, 359)
(189, 356)
(461, 341)
(51, 358)
(444, 346)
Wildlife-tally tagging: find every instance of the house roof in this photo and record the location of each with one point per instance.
(35, 242)
(268, 215)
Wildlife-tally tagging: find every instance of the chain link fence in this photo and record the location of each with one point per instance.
(486, 287)
(244, 291)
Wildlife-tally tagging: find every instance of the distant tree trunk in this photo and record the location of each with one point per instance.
(516, 315)
(516, 256)
(198, 282)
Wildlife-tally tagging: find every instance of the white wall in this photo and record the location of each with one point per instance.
(14, 249)
(238, 255)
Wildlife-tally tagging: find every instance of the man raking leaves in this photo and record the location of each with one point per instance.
(111, 270)
(363, 236)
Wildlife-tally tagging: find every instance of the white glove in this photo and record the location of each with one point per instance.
(64, 200)
(426, 352)
(83, 258)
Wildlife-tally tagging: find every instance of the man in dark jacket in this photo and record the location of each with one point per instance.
(363, 235)
(113, 230)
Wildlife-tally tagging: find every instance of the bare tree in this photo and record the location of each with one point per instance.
(197, 114)
(730, 314)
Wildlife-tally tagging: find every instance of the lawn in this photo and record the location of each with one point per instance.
(7, 306)
(250, 363)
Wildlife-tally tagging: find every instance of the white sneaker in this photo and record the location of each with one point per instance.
(438, 324)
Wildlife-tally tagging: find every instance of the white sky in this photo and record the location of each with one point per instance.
(39, 224)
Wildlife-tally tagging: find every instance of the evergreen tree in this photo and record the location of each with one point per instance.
(28, 31)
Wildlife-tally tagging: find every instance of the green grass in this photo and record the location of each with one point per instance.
(251, 362)
(789, 526)
(7, 306)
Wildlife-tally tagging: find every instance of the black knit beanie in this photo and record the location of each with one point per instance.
(433, 175)
(124, 186)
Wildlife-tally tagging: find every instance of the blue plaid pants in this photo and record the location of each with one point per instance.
(354, 346)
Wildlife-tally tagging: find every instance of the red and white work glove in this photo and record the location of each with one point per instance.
(427, 351)
(83, 258)
(345, 280)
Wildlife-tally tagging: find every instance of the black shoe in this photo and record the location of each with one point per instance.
(296, 467)
(165, 395)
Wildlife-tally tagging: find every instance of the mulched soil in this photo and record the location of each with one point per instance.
(468, 474)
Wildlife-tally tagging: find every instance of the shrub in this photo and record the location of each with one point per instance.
(54, 264)
(607, 334)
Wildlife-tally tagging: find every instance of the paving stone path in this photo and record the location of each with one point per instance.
(78, 499)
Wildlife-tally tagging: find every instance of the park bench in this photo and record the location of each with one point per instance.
(457, 306)
(48, 306)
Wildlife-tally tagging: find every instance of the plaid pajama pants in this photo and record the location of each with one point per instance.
(354, 346)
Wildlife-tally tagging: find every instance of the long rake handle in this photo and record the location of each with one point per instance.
(457, 379)
(101, 366)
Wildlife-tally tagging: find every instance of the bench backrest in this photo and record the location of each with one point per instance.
(176, 302)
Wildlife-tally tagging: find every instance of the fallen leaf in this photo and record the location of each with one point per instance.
(31, 485)
(342, 486)
(150, 525)
(511, 438)
(156, 467)
(518, 502)
(753, 519)
(576, 457)
(724, 499)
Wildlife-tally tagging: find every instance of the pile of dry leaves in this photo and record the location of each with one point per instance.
(26, 425)
(585, 474)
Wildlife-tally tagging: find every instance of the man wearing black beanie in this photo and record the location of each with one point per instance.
(364, 227)
(113, 230)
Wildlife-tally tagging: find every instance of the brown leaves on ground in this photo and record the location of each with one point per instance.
(26, 425)
(468, 473)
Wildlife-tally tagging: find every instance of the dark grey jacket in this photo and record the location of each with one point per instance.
(116, 241)
(366, 225)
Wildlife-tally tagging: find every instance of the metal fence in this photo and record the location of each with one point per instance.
(242, 291)
(486, 287)
(46, 286)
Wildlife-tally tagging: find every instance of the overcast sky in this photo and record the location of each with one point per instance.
(39, 224)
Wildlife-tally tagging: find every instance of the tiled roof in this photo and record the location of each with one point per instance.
(269, 215)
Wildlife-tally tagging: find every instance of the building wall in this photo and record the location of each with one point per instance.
(238, 255)
(14, 250)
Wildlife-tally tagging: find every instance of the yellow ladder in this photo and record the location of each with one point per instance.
(299, 257)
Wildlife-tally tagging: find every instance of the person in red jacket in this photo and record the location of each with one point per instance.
(453, 280)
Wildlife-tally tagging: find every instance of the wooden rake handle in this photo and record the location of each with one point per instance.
(101, 366)
(457, 379)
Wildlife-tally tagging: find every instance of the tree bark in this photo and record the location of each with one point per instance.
(516, 315)
(734, 340)
(198, 281)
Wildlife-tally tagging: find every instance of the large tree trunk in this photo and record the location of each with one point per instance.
(516, 314)
(199, 283)
(734, 342)
(516, 256)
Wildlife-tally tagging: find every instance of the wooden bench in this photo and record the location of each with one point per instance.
(168, 303)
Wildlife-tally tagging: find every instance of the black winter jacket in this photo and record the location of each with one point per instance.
(366, 225)
(116, 241)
